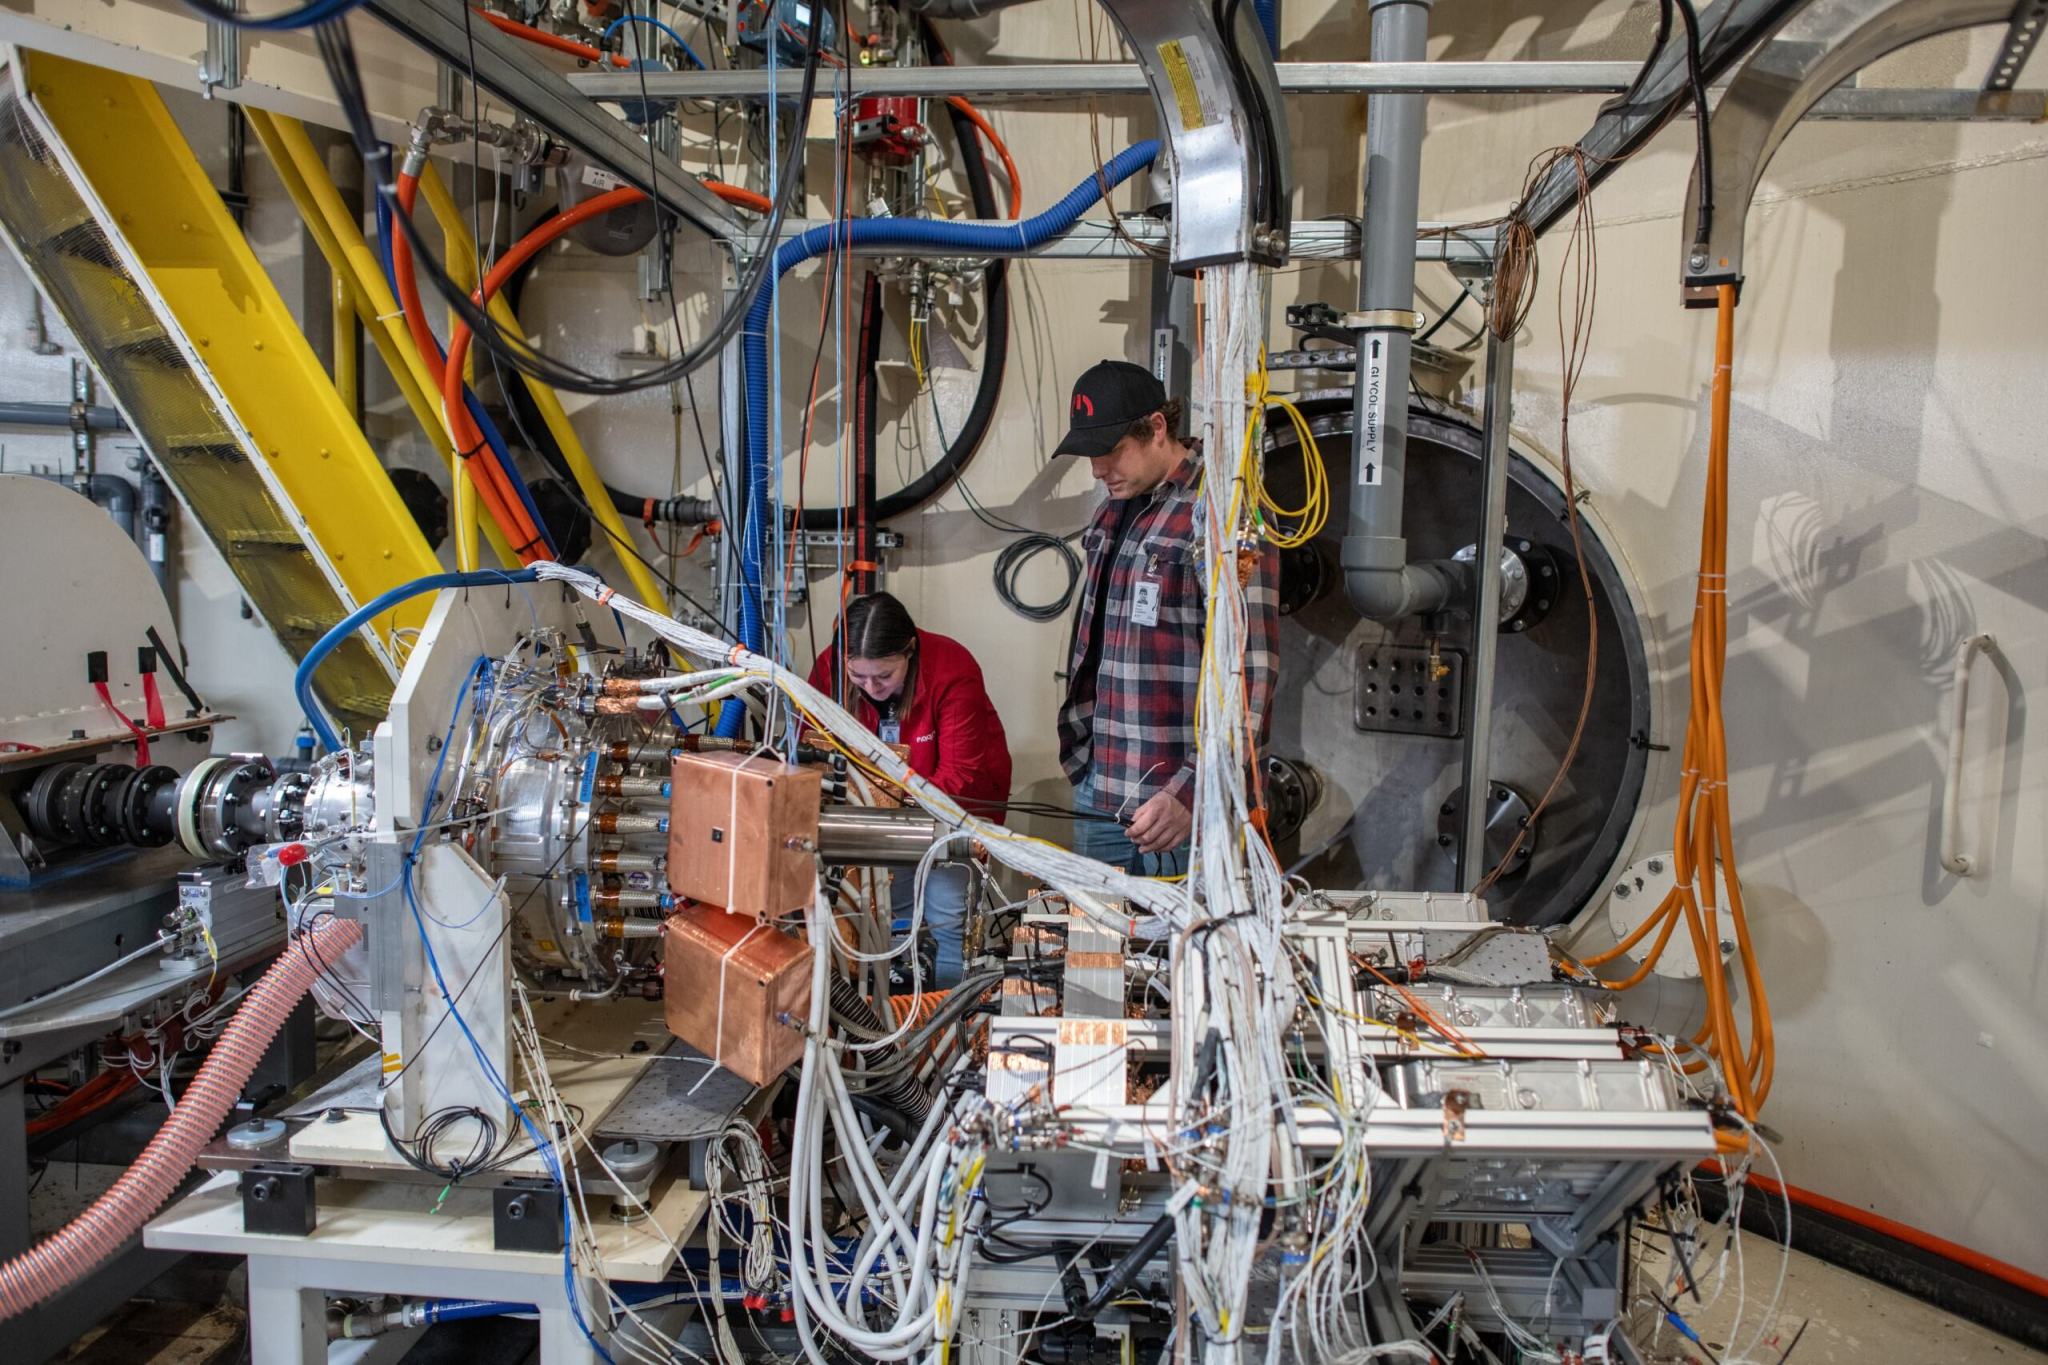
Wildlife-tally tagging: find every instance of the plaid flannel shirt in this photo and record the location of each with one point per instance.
(1130, 726)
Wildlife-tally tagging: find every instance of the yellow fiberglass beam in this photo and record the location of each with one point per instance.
(314, 457)
(340, 238)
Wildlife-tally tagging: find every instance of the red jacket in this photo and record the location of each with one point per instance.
(948, 723)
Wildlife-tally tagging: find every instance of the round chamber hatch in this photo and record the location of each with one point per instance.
(1376, 709)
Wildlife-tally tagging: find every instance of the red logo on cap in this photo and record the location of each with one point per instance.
(1083, 403)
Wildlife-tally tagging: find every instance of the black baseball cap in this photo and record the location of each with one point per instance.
(1107, 399)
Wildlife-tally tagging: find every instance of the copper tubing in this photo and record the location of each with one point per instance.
(67, 1255)
(620, 784)
(622, 860)
(618, 926)
(628, 900)
(614, 823)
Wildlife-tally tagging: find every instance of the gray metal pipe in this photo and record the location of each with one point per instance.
(109, 491)
(867, 836)
(15, 414)
(1378, 578)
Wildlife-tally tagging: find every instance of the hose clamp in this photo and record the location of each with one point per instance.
(1382, 320)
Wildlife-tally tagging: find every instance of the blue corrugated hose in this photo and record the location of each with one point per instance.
(1269, 23)
(966, 239)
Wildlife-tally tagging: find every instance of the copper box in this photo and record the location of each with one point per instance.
(755, 978)
(743, 833)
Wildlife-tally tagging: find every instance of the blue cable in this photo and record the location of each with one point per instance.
(305, 16)
(653, 22)
(966, 239)
(302, 680)
(542, 1143)
(483, 421)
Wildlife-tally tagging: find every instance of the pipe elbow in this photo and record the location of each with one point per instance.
(1396, 593)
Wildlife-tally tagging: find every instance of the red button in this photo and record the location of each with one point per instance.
(291, 855)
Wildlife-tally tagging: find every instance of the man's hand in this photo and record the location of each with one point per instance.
(1160, 824)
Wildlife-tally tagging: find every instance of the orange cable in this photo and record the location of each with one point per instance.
(1002, 151)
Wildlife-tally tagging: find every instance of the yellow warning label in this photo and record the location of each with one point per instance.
(1182, 78)
(392, 1063)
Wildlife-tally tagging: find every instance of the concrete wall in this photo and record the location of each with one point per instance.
(1888, 499)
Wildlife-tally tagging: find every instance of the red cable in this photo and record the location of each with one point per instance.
(552, 41)
(152, 700)
(1902, 1232)
(141, 735)
(478, 460)
(739, 196)
(507, 265)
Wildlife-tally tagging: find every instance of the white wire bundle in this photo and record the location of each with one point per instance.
(913, 1254)
(1092, 886)
(1233, 984)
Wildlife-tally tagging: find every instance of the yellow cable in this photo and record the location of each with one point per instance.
(1314, 513)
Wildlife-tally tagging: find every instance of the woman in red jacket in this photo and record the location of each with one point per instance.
(923, 691)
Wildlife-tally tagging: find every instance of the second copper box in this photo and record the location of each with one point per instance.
(741, 833)
(736, 990)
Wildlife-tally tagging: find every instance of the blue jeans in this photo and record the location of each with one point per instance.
(945, 914)
(1104, 840)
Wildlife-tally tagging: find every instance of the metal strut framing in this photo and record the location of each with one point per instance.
(1829, 42)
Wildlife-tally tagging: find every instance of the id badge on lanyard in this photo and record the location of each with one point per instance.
(891, 729)
(1145, 594)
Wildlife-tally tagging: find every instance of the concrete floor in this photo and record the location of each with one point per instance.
(1849, 1320)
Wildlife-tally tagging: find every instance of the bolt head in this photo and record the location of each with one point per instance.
(1656, 866)
(1621, 892)
(1696, 261)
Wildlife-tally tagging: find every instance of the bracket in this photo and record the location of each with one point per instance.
(526, 1215)
(280, 1200)
(1218, 97)
(2022, 31)
(1784, 78)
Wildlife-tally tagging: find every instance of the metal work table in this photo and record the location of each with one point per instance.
(377, 1238)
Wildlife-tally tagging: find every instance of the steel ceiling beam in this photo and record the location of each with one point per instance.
(510, 70)
(1320, 239)
(1729, 28)
(1052, 82)
(1066, 80)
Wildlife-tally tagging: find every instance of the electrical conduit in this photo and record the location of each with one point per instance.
(967, 239)
(66, 1256)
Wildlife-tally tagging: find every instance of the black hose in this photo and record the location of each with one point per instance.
(994, 356)
(865, 362)
(1118, 1277)
(1705, 226)
(533, 427)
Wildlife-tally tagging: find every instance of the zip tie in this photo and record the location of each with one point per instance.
(606, 594)
(718, 1034)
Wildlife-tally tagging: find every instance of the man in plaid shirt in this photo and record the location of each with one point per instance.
(1127, 727)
